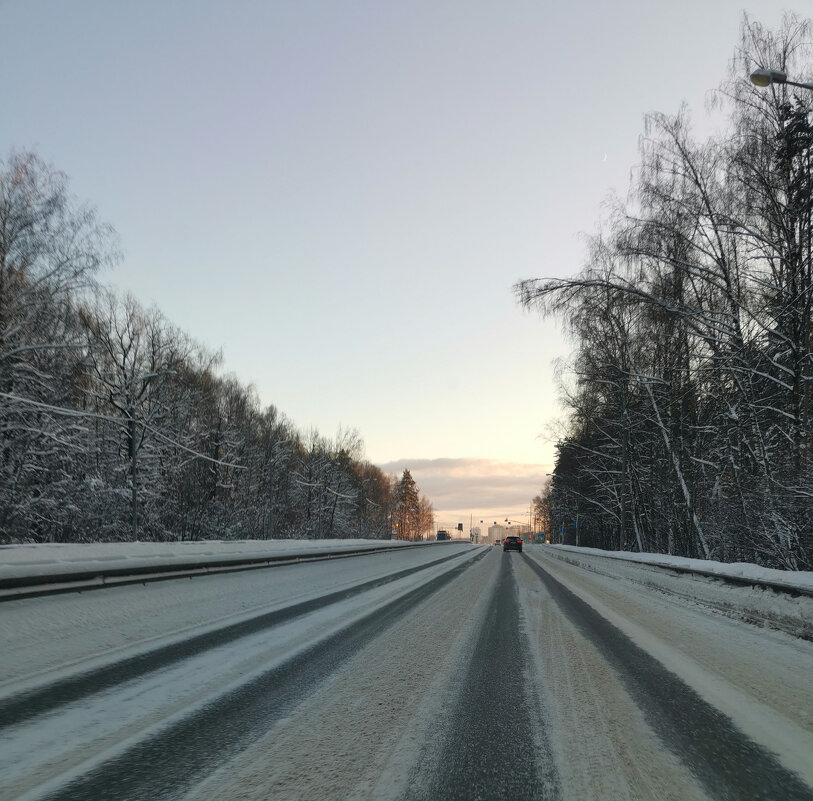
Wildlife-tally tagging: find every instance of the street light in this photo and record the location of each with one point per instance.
(763, 78)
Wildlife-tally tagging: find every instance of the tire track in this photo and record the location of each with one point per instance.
(26, 705)
(727, 763)
(166, 764)
(483, 753)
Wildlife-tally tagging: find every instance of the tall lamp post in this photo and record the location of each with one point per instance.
(764, 77)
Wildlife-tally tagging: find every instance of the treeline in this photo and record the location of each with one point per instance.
(115, 425)
(689, 395)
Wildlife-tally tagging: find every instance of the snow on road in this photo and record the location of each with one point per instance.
(360, 736)
(761, 679)
(374, 734)
(47, 637)
(98, 726)
(603, 745)
(637, 688)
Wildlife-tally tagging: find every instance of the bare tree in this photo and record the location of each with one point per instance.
(50, 249)
(692, 319)
(132, 353)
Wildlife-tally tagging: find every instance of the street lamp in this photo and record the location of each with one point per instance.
(763, 78)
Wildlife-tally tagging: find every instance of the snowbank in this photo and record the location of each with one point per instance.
(36, 561)
(767, 598)
(741, 572)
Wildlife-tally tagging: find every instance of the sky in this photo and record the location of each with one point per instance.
(340, 196)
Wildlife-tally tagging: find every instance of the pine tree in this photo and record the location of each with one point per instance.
(407, 508)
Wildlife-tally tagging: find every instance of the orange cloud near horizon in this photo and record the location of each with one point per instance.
(475, 489)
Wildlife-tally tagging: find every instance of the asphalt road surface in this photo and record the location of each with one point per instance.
(454, 673)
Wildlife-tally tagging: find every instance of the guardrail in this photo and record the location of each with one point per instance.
(84, 579)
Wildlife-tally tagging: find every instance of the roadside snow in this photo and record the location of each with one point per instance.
(50, 558)
(768, 598)
(744, 571)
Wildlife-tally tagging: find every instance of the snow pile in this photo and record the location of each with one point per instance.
(799, 581)
(768, 598)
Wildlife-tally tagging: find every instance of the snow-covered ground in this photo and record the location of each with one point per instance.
(53, 558)
(771, 598)
(758, 678)
(51, 639)
(374, 722)
(739, 571)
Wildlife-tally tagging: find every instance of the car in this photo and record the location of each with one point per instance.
(512, 543)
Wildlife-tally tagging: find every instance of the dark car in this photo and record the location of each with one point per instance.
(512, 544)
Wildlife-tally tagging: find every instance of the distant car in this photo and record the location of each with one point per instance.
(512, 544)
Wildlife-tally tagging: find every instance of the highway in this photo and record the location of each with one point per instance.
(454, 672)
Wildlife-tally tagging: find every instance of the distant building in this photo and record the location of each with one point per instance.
(499, 531)
(495, 533)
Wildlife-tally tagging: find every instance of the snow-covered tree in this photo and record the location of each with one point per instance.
(407, 508)
(689, 427)
(114, 424)
(50, 249)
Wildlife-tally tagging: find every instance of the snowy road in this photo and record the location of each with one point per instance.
(460, 673)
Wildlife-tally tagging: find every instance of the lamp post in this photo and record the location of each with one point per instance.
(765, 77)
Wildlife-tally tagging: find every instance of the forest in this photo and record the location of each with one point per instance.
(116, 425)
(688, 397)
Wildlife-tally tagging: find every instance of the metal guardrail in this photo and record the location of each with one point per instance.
(18, 587)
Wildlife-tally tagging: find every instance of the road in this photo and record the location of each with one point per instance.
(454, 672)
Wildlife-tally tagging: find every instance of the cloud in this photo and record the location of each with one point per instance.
(482, 488)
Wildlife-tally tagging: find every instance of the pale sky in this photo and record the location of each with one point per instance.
(340, 195)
